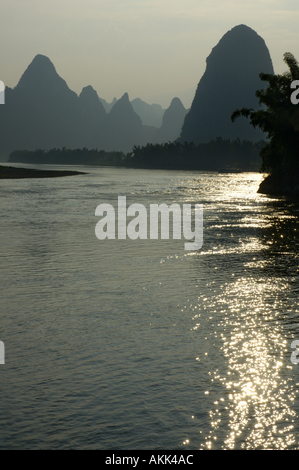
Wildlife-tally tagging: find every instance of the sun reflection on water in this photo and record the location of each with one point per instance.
(251, 252)
(258, 396)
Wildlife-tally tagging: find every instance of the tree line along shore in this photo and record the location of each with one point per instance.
(218, 154)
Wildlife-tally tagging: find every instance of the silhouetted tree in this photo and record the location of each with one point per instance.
(280, 120)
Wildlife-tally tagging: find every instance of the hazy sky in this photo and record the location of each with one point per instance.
(152, 49)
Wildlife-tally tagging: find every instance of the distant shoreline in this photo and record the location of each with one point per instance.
(8, 172)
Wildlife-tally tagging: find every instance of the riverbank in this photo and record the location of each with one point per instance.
(8, 172)
(274, 186)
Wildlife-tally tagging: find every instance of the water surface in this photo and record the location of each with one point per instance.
(129, 345)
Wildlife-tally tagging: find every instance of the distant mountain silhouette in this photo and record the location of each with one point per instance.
(91, 103)
(150, 114)
(229, 82)
(123, 127)
(42, 112)
(93, 117)
(108, 106)
(172, 123)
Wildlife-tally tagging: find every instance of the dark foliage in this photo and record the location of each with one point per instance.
(219, 154)
(280, 120)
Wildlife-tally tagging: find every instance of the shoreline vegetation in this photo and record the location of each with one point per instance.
(8, 172)
(280, 120)
(216, 155)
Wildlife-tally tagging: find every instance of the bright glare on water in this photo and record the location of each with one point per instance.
(128, 345)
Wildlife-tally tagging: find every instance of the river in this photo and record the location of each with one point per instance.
(141, 344)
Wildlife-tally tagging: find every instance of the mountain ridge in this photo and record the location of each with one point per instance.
(43, 112)
(230, 81)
